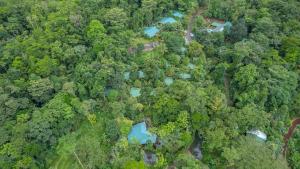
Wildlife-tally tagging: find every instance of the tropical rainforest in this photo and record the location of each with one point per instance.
(77, 75)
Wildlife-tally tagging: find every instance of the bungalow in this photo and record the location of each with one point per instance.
(150, 158)
(219, 27)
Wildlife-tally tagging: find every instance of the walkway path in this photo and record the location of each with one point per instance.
(188, 35)
(287, 136)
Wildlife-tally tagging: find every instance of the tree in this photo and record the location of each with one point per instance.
(95, 31)
(239, 31)
(52, 120)
(195, 50)
(115, 19)
(174, 42)
(165, 109)
(250, 117)
(246, 76)
(254, 154)
(187, 161)
(90, 152)
(41, 90)
(148, 8)
(291, 48)
(112, 130)
(44, 67)
(282, 83)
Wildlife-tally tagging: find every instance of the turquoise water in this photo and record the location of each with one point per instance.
(140, 134)
(183, 49)
(177, 14)
(151, 31)
(217, 24)
(167, 20)
(153, 93)
(168, 81)
(228, 24)
(126, 75)
(185, 76)
(135, 92)
(191, 66)
(141, 74)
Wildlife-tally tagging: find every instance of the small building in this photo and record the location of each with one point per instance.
(258, 134)
(135, 92)
(219, 27)
(151, 31)
(150, 158)
(140, 134)
(167, 20)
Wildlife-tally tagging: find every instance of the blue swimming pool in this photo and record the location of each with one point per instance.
(177, 14)
(151, 31)
(135, 92)
(167, 20)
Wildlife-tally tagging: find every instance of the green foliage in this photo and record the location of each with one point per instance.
(95, 31)
(134, 165)
(64, 102)
(40, 90)
(116, 19)
(165, 109)
(186, 161)
(249, 153)
(44, 67)
(174, 42)
(52, 121)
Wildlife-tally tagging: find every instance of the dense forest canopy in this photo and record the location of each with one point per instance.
(217, 85)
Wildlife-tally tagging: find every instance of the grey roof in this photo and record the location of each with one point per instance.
(150, 158)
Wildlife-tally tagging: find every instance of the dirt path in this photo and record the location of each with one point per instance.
(199, 11)
(287, 136)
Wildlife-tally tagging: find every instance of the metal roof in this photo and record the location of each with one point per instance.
(259, 134)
